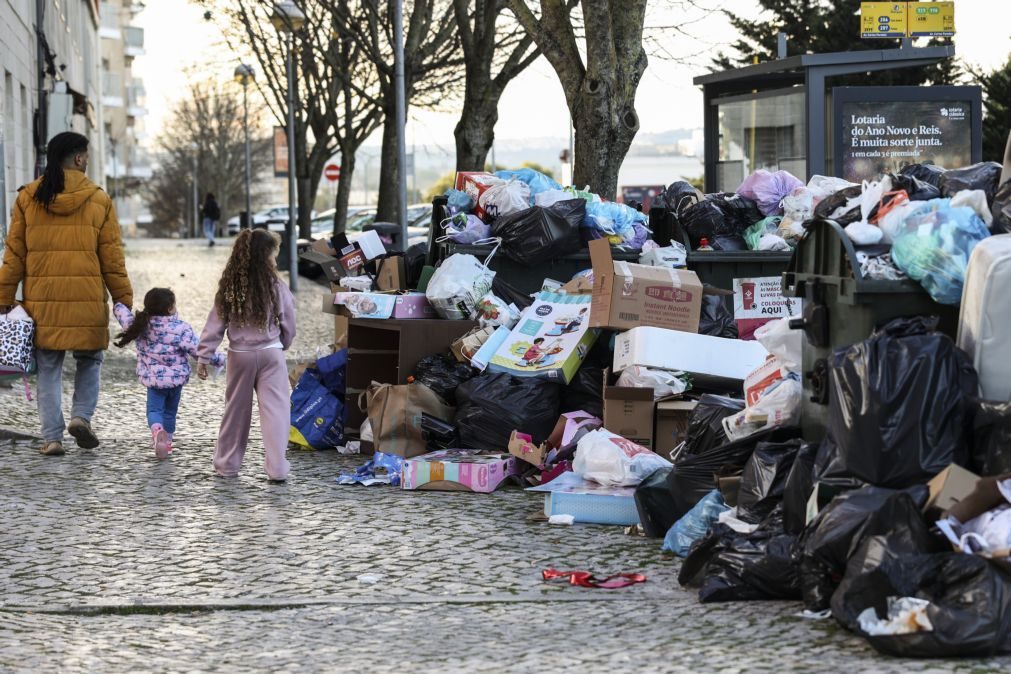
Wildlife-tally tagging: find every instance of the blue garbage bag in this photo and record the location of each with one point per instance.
(613, 219)
(933, 246)
(459, 202)
(694, 525)
(331, 371)
(317, 414)
(535, 180)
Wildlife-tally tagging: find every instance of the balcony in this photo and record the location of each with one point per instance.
(133, 41)
(112, 90)
(139, 166)
(109, 29)
(136, 99)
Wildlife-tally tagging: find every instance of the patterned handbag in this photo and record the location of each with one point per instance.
(17, 344)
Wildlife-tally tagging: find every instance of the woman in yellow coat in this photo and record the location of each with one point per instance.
(64, 244)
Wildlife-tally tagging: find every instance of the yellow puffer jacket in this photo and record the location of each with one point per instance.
(67, 256)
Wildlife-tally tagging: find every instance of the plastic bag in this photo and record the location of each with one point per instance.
(831, 538)
(536, 235)
(763, 481)
(915, 189)
(774, 242)
(535, 180)
(494, 404)
(753, 235)
(716, 320)
(705, 424)
(465, 228)
(491, 311)
(612, 218)
(694, 525)
(551, 197)
(934, 245)
(614, 461)
(729, 243)
(768, 189)
(510, 294)
(827, 208)
(982, 176)
(779, 405)
(317, 413)
(678, 196)
(459, 202)
(457, 285)
(655, 504)
(899, 407)
(928, 173)
(822, 187)
(991, 453)
(672, 256)
(442, 373)
(798, 205)
(863, 234)
(798, 488)
(783, 342)
(505, 198)
(739, 213)
(663, 382)
(976, 200)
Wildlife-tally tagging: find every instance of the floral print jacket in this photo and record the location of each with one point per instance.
(164, 350)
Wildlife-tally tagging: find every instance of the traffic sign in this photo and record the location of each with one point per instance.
(332, 172)
(931, 19)
(883, 19)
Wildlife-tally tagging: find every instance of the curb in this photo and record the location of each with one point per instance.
(8, 433)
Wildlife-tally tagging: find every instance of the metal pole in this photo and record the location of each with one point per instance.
(196, 197)
(398, 56)
(292, 230)
(249, 169)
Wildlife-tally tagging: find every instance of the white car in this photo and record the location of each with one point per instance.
(270, 216)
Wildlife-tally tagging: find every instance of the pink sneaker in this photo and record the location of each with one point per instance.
(161, 441)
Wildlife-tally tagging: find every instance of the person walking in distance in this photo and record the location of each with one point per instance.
(64, 244)
(212, 214)
(257, 312)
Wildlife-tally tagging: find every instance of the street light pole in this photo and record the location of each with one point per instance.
(398, 58)
(288, 18)
(244, 75)
(196, 196)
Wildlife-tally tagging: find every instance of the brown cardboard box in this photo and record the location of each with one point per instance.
(671, 425)
(629, 295)
(950, 487)
(521, 444)
(628, 412)
(465, 347)
(340, 332)
(984, 496)
(729, 486)
(392, 274)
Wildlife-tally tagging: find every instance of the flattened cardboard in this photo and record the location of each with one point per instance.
(458, 470)
(985, 496)
(950, 487)
(522, 446)
(629, 295)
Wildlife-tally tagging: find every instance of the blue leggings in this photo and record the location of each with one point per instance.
(162, 406)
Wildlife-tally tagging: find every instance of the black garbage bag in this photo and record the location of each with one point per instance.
(700, 221)
(798, 488)
(991, 453)
(970, 600)
(738, 567)
(830, 539)
(928, 173)
(716, 320)
(729, 243)
(678, 196)
(899, 407)
(705, 425)
(540, 233)
(982, 176)
(693, 476)
(739, 213)
(585, 392)
(414, 262)
(1001, 208)
(510, 294)
(492, 405)
(827, 206)
(443, 373)
(763, 481)
(655, 504)
(917, 189)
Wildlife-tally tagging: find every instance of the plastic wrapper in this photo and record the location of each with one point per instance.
(830, 539)
(443, 374)
(982, 176)
(655, 504)
(494, 312)
(991, 454)
(779, 405)
(934, 245)
(774, 242)
(695, 524)
(763, 481)
(899, 407)
(614, 461)
(457, 285)
(663, 382)
(768, 189)
(863, 234)
(504, 198)
(613, 219)
(492, 405)
(535, 180)
(536, 235)
(716, 320)
(928, 173)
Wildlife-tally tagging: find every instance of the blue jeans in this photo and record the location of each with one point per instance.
(210, 227)
(87, 380)
(162, 406)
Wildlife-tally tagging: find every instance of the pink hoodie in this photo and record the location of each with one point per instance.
(280, 328)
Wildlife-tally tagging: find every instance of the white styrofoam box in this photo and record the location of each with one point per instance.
(984, 326)
(371, 245)
(728, 359)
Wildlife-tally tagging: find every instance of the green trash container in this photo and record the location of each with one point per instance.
(841, 307)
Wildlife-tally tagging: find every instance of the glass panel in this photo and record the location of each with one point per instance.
(768, 132)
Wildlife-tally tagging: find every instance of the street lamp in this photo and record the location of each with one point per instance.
(196, 197)
(288, 18)
(245, 75)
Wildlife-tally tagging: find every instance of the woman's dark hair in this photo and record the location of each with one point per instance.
(246, 291)
(60, 147)
(157, 302)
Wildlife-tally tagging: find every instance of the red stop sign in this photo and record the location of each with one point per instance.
(332, 172)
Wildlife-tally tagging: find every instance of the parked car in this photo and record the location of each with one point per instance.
(274, 217)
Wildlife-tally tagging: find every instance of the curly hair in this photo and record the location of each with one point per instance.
(247, 292)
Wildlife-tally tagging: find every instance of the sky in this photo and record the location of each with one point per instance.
(180, 45)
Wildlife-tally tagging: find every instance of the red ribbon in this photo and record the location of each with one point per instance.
(587, 579)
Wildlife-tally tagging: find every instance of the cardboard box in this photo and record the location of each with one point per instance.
(474, 183)
(950, 487)
(551, 339)
(711, 360)
(392, 274)
(458, 470)
(413, 306)
(370, 244)
(490, 347)
(589, 502)
(630, 295)
(764, 376)
(340, 332)
(628, 412)
(670, 427)
(729, 487)
(367, 305)
(985, 496)
(568, 429)
(465, 347)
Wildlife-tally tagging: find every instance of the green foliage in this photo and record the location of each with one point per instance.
(996, 110)
(441, 185)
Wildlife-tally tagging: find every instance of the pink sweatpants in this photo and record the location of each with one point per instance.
(264, 372)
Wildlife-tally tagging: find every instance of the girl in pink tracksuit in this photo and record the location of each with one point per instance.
(257, 312)
(165, 345)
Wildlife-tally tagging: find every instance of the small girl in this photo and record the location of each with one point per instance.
(258, 313)
(164, 346)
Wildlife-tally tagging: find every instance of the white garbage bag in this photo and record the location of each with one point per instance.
(782, 341)
(614, 461)
(778, 406)
(458, 285)
(509, 197)
(663, 382)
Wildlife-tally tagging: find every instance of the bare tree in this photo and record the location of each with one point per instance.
(210, 120)
(600, 89)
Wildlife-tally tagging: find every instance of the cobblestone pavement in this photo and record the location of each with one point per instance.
(111, 561)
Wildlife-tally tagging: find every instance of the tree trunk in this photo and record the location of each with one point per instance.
(475, 132)
(343, 191)
(605, 125)
(386, 209)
